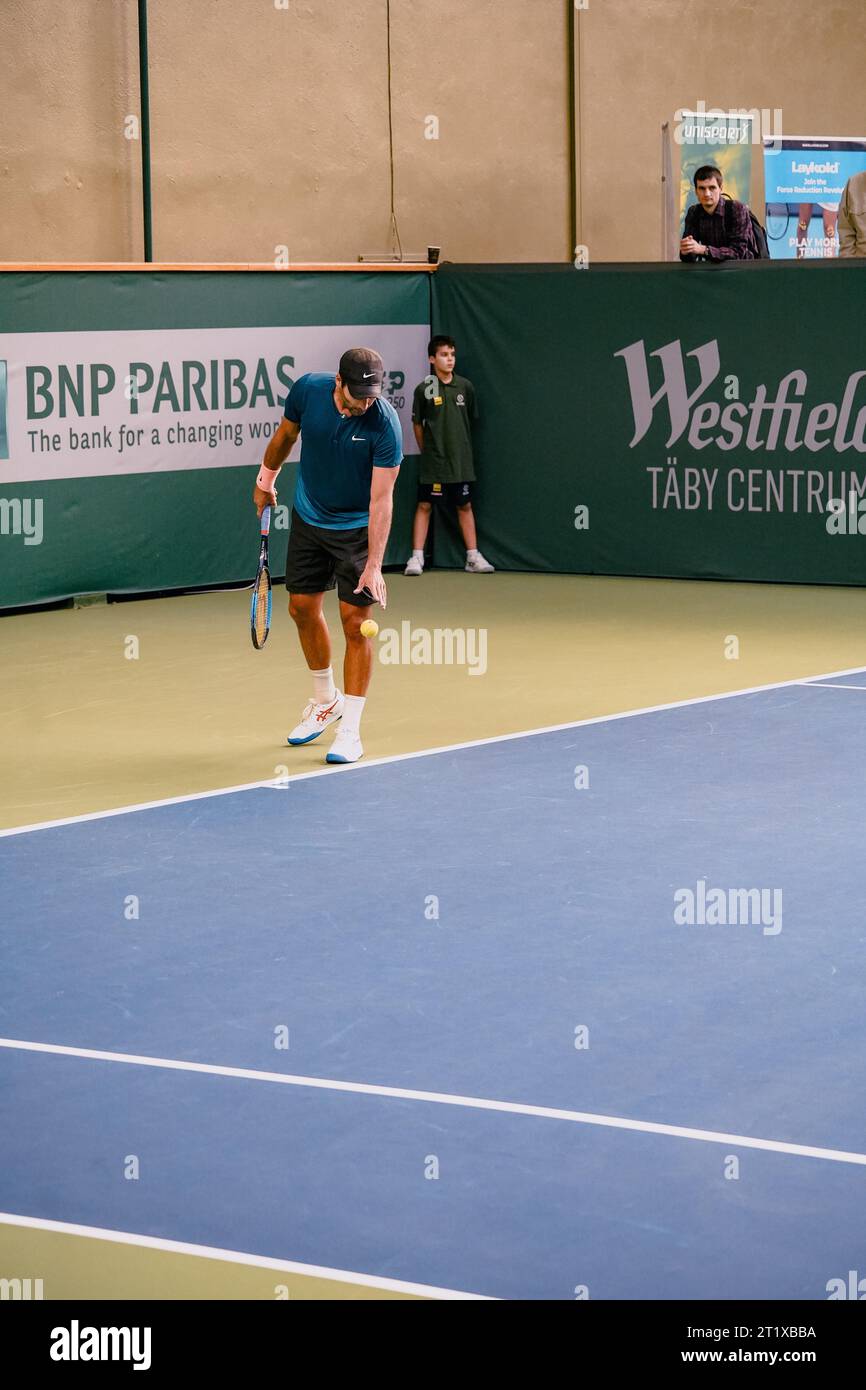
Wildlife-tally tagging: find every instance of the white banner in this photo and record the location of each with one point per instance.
(80, 405)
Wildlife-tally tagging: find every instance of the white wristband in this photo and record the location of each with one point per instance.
(267, 478)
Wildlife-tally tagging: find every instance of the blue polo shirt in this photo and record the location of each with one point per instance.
(338, 454)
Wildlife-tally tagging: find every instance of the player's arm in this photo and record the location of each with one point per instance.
(280, 445)
(381, 512)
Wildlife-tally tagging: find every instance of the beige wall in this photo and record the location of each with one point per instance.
(270, 126)
(68, 75)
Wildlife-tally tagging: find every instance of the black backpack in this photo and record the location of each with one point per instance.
(759, 235)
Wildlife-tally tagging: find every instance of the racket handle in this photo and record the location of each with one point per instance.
(266, 520)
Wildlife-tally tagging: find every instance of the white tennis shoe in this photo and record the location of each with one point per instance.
(479, 565)
(414, 565)
(346, 748)
(315, 719)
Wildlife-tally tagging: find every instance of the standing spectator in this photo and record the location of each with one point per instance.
(852, 217)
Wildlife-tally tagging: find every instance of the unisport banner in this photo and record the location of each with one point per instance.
(723, 139)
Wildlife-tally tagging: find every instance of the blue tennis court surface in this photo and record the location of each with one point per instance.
(455, 924)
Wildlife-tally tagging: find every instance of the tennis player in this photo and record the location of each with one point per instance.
(351, 451)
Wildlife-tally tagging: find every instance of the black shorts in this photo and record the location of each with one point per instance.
(318, 558)
(457, 493)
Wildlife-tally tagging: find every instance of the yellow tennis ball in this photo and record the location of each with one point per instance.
(369, 628)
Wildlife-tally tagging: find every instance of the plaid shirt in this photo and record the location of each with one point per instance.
(726, 238)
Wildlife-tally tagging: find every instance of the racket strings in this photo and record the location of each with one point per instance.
(263, 590)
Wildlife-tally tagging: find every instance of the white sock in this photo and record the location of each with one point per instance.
(418, 555)
(352, 711)
(323, 685)
(472, 554)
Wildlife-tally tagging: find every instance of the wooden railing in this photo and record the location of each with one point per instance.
(215, 265)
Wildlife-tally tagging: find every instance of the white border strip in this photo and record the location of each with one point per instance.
(544, 1112)
(129, 810)
(237, 1257)
(825, 685)
(280, 783)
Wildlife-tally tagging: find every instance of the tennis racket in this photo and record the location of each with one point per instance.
(778, 218)
(260, 609)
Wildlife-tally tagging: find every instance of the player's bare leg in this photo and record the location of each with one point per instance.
(803, 220)
(358, 664)
(829, 231)
(305, 610)
(326, 705)
(347, 746)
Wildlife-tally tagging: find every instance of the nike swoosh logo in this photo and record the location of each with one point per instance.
(358, 438)
(366, 374)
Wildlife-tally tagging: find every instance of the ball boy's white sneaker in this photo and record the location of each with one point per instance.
(479, 565)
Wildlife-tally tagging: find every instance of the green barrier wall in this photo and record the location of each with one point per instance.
(658, 420)
(172, 527)
(568, 422)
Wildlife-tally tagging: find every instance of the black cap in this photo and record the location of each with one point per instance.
(362, 371)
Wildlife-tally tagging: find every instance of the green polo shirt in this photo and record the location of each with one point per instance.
(446, 413)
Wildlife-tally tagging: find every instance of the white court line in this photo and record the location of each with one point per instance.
(825, 685)
(280, 783)
(238, 1257)
(544, 1112)
(129, 810)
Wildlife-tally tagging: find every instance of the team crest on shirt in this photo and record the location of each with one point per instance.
(460, 400)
